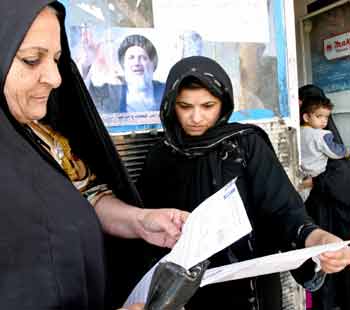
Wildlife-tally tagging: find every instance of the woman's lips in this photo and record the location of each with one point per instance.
(41, 98)
(196, 128)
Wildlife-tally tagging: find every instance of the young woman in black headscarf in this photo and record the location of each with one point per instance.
(61, 177)
(200, 153)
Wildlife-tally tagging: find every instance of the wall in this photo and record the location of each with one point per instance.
(300, 11)
(341, 99)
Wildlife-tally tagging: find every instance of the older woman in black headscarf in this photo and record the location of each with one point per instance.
(61, 177)
(200, 153)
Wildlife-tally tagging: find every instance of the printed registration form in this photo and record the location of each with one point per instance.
(215, 224)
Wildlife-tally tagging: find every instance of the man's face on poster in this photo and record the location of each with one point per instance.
(138, 68)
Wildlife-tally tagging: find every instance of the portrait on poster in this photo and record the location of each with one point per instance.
(125, 68)
(119, 67)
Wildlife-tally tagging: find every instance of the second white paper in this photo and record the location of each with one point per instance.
(267, 264)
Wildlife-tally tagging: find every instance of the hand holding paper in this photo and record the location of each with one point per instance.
(267, 264)
(330, 262)
(216, 223)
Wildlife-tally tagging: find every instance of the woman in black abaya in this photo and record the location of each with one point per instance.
(61, 177)
(200, 153)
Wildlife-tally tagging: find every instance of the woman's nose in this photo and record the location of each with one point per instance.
(51, 75)
(196, 116)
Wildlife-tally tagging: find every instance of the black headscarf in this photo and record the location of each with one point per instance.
(216, 80)
(41, 210)
(71, 110)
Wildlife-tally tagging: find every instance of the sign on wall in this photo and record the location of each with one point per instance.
(337, 46)
(329, 43)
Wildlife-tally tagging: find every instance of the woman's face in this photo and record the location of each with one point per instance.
(197, 110)
(34, 72)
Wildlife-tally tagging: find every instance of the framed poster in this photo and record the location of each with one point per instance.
(124, 51)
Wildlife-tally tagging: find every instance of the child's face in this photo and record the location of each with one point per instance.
(317, 119)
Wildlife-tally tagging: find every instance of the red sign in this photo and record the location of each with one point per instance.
(337, 46)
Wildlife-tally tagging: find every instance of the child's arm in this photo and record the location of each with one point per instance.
(332, 149)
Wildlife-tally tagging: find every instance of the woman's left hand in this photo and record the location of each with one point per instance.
(334, 261)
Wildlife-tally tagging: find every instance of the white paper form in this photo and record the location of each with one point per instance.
(267, 264)
(216, 223)
(218, 21)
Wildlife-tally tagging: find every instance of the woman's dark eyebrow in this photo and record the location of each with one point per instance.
(38, 48)
(179, 101)
(209, 101)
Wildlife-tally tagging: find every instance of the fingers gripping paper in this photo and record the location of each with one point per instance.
(215, 224)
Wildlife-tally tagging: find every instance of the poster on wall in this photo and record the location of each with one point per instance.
(329, 49)
(124, 57)
(126, 73)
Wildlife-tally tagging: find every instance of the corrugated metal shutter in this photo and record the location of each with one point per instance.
(133, 150)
